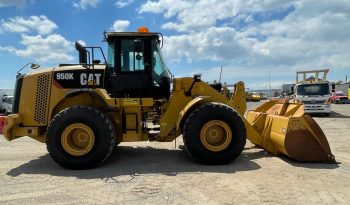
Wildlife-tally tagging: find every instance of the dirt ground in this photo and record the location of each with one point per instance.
(160, 173)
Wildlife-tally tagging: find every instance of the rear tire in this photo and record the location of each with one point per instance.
(224, 124)
(87, 122)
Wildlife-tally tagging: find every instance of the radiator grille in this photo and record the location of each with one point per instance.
(314, 102)
(41, 98)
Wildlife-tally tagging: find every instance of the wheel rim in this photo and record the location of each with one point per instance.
(216, 135)
(77, 139)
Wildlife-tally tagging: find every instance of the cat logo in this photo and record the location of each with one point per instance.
(90, 79)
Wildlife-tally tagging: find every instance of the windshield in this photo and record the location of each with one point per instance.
(159, 68)
(313, 89)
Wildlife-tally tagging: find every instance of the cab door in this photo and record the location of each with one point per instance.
(132, 77)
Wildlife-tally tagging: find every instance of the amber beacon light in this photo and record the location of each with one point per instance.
(142, 30)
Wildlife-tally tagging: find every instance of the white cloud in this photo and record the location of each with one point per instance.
(305, 40)
(52, 49)
(197, 15)
(169, 7)
(9, 49)
(311, 34)
(120, 25)
(123, 3)
(6, 3)
(215, 44)
(84, 4)
(41, 24)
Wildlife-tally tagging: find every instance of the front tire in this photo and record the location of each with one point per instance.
(214, 133)
(80, 137)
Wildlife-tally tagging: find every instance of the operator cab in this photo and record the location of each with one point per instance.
(135, 65)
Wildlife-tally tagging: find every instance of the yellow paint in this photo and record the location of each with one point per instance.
(216, 135)
(77, 139)
(34, 98)
(190, 106)
(237, 100)
(131, 121)
(11, 123)
(269, 123)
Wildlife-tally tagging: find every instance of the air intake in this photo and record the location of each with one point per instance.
(41, 102)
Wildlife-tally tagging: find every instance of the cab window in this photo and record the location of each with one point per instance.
(111, 54)
(132, 56)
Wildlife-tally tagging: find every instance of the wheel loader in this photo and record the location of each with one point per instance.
(82, 111)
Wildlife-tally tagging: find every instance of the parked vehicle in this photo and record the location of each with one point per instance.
(4, 93)
(339, 98)
(6, 105)
(313, 92)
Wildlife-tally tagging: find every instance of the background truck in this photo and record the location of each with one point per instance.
(6, 100)
(313, 91)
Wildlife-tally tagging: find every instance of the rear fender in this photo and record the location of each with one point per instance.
(84, 97)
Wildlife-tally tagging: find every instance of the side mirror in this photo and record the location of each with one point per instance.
(35, 66)
(333, 87)
(82, 52)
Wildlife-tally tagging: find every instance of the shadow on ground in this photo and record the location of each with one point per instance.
(126, 160)
(310, 165)
(133, 161)
(332, 115)
(338, 115)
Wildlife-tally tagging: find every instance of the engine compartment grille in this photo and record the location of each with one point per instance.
(41, 98)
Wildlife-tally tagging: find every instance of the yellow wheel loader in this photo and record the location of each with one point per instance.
(82, 111)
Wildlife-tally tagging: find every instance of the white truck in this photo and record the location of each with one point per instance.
(314, 91)
(6, 100)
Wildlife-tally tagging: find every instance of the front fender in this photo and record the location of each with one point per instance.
(194, 103)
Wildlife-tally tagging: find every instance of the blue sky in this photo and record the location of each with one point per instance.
(249, 38)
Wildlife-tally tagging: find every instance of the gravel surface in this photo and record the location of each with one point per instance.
(162, 173)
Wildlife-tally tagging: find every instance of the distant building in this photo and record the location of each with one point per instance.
(268, 93)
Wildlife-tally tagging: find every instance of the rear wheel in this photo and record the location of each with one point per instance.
(214, 133)
(80, 137)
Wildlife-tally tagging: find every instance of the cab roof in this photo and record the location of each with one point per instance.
(120, 35)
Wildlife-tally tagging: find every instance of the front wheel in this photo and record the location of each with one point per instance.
(214, 133)
(80, 137)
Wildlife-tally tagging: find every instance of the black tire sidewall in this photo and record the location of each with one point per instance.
(204, 114)
(96, 120)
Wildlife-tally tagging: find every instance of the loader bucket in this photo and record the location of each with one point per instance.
(281, 127)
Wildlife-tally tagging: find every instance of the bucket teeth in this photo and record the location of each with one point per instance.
(281, 127)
